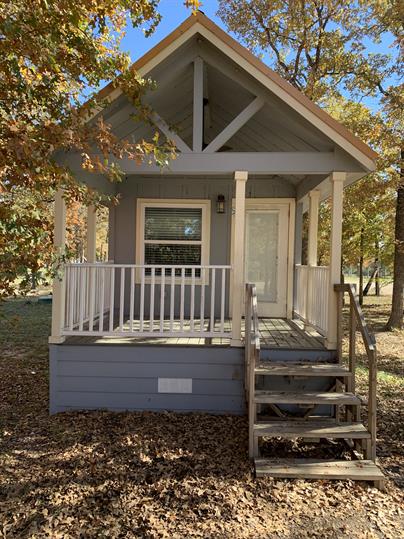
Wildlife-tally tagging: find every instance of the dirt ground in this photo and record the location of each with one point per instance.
(147, 475)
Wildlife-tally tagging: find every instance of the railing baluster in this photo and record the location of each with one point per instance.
(182, 299)
(192, 306)
(202, 300)
(112, 300)
(88, 303)
(97, 287)
(172, 299)
(92, 299)
(162, 292)
(132, 299)
(122, 299)
(103, 272)
(82, 298)
(141, 312)
(152, 286)
(212, 300)
(72, 295)
(66, 279)
(222, 301)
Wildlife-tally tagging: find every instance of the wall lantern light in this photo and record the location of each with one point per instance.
(220, 204)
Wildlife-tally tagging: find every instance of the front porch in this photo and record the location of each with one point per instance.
(275, 333)
(183, 305)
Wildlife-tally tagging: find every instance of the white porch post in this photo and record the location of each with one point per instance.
(240, 178)
(297, 249)
(337, 188)
(59, 242)
(91, 233)
(298, 232)
(314, 199)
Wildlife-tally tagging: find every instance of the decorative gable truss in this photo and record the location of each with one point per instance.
(200, 110)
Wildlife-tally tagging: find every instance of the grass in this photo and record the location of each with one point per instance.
(127, 475)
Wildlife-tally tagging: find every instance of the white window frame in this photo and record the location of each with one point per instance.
(143, 203)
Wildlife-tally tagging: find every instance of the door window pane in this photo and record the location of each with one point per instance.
(262, 232)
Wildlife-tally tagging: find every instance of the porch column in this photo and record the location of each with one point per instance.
(337, 188)
(314, 198)
(298, 232)
(298, 249)
(91, 233)
(240, 178)
(59, 242)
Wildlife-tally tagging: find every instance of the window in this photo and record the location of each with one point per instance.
(173, 233)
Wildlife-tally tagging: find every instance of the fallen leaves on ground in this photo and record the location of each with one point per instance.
(150, 475)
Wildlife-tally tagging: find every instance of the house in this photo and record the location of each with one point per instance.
(168, 322)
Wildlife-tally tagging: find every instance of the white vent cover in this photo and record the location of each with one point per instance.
(175, 385)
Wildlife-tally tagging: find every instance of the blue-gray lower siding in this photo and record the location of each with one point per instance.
(133, 377)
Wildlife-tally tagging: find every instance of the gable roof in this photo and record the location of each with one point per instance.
(198, 22)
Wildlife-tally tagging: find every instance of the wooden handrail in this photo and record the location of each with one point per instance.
(252, 355)
(357, 320)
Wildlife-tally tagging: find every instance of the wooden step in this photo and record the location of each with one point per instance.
(296, 369)
(302, 397)
(359, 470)
(311, 429)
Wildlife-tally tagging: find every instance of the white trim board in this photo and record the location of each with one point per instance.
(204, 204)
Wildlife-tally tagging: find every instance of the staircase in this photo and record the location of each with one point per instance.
(307, 413)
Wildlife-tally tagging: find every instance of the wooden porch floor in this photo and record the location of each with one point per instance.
(274, 333)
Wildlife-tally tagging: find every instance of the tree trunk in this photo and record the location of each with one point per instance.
(361, 267)
(377, 268)
(396, 315)
(373, 275)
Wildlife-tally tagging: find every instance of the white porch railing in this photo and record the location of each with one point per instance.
(144, 300)
(311, 298)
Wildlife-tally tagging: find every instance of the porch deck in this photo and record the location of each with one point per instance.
(274, 333)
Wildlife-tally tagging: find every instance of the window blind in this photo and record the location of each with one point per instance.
(173, 224)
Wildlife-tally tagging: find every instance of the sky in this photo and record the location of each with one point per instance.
(173, 14)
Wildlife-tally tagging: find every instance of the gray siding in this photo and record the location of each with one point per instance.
(124, 214)
(120, 377)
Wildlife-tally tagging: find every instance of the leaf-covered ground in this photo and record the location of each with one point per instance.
(146, 475)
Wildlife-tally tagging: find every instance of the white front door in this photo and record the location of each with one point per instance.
(266, 254)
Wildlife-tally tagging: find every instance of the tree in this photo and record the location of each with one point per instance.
(51, 53)
(388, 17)
(368, 225)
(321, 47)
